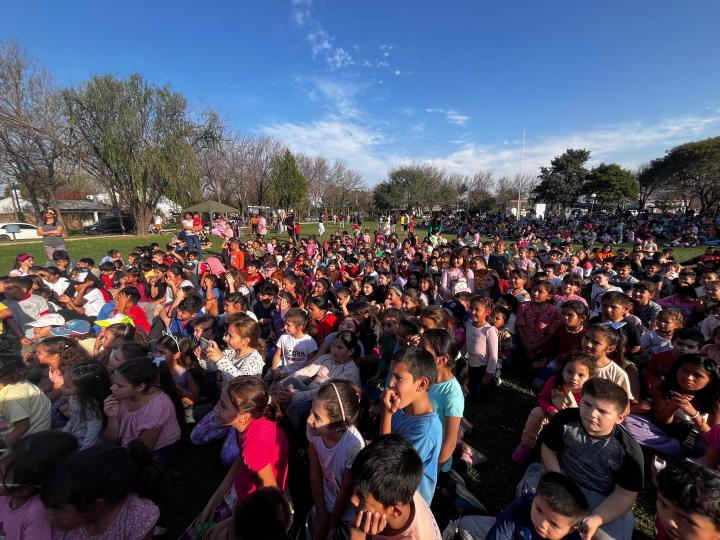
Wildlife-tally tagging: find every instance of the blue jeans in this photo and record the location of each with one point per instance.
(193, 244)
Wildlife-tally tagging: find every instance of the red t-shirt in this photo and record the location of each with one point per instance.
(263, 443)
(325, 326)
(107, 280)
(659, 365)
(137, 314)
(565, 342)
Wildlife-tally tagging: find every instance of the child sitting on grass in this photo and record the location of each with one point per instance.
(591, 447)
(387, 474)
(24, 408)
(407, 411)
(555, 512)
(560, 392)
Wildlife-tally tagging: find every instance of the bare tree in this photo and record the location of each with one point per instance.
(257, 165)
(33, 133)
(343, 181)
(316, 171)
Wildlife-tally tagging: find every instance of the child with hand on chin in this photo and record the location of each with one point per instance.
(407, 411)
(387, 474)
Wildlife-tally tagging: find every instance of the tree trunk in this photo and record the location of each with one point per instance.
(143, 218)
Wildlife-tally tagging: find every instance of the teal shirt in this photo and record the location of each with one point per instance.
(447, 399)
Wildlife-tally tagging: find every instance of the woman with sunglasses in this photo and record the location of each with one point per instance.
(52, 233)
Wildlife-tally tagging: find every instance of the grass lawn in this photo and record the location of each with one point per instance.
(95, 247)
(498, 422)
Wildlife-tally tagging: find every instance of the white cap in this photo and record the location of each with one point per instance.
(51, 319)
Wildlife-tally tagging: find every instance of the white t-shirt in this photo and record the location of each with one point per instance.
(59, 286)
(187, 225)
(613, 372)
(334, 462)
(94, 301)
(295, 352)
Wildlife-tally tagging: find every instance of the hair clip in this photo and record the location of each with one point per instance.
(157, 360)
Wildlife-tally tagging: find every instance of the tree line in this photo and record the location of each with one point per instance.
(139, 142)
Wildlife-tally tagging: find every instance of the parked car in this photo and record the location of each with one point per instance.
(18, 231)
(111, 225)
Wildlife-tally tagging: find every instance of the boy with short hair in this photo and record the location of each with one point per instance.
(407, 411)
(710, 322)
(591, 447)
(688, 506)
(601, 286)
(643, 306)
(624, 278)
(386, 475)
(188, 309)
(555, 512)
(264, 308)
(126, 303)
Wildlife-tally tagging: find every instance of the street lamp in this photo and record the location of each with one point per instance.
(592, 208)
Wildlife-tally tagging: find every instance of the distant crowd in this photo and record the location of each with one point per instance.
(336, 369)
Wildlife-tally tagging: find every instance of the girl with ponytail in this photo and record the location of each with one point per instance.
(246, 406)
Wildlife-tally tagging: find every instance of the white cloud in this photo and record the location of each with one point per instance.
(372, 152)
(339, 95)
(335, 139)
(451, 116)
(386, 48)
(628, 144)
(397, 72)
(321, 43)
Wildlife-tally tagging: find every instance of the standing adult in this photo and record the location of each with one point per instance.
(290, 224)
(51, 232)
(189, 234)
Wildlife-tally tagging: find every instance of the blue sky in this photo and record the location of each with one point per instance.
(378, 83)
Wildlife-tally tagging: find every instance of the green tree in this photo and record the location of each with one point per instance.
(612, 185)
(385, 197)
(692, 170)
(562, 182)
(414, 186)
(288, 186)
(139, 142)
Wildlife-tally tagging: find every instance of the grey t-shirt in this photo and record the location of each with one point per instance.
(595, 463)
(52, 241)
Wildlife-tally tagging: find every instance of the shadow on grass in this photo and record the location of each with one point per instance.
(498, 424)
(197, 471)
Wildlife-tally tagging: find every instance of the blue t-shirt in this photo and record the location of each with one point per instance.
(177, 327)
(105, 313)
(447, 399)
(424, 433)
(514, 523)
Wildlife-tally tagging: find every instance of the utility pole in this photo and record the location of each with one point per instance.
(522, 166)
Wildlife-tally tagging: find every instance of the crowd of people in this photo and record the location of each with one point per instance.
(336, 368)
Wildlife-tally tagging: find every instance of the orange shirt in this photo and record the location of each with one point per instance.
(237, 259)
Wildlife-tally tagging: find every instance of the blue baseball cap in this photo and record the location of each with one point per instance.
(74, 327)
